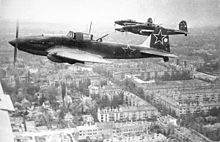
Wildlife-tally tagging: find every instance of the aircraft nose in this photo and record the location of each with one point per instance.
(118, 29)
(116, 22)
(12, 42)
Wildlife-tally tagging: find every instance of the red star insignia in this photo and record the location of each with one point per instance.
(159, 37)
(128, 49)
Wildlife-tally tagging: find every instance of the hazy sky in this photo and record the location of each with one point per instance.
(167, 12)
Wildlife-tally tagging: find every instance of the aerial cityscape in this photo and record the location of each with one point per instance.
(86, 98)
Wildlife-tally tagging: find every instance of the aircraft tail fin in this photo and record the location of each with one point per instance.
(183, 26)
(146, 43)
(159, 39)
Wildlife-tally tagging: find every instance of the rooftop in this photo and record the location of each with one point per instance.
(176, 84)
(129, 109)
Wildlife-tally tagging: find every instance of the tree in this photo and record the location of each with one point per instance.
(214, 111)
(83, 106)
(173, 113)
(140, 92)
(170, 129)
(121, 98)
(166, 76)
(115, 102)
(18, 105)
(67, 101)
(25, 103)
(47, 117)
(63, 90)
(22, 111)
(61, 113)
(105, 102)
(32, 89)
(7, 89)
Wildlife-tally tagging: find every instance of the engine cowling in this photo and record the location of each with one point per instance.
(55, 58)
(58, 59)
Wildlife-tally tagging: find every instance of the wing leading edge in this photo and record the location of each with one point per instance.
(76, 55)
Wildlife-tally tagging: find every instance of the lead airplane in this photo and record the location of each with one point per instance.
(78, 47)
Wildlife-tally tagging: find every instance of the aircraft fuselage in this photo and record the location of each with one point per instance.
(40, 45)
(147, 29)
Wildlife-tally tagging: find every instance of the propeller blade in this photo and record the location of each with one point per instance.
(90, 27)
(15, 55)
(17, 28)
(16, 44)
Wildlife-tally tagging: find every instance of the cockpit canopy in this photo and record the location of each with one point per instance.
(79, 35)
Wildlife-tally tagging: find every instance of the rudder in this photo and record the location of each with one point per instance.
(160, 39)
(183, 26)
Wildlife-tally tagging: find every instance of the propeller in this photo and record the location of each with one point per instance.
(16, 42)
(90, 27)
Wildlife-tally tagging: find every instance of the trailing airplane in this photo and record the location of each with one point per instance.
(148, 27)
(78, 47)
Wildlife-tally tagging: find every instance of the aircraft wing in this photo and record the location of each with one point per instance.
(147, 32)
(130, 24)
(175, 32)
(66, 53)
(120, 29)
(158, 53)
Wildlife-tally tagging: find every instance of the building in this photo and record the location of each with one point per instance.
(185, 96)
(126, 113)
(181, 133)
(110, 90)
(131, 128)
(47, 135)
(91, 131)
(140, 138)
(106, 130)
(88, 119)
(206, 77)
(131, 99)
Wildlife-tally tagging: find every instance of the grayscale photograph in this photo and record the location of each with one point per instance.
(109, 70)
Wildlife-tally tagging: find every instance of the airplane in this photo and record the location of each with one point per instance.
(6, 106)
(78, 47)
(148, 27)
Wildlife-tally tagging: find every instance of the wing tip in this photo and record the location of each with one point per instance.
(173, 56)
(107, 62)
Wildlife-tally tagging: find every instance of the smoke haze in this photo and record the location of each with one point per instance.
(167, 12)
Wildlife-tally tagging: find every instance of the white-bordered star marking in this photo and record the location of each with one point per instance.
(128, 49)
(159, 37)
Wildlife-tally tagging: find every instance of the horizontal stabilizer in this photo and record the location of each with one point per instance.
(159, 53)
